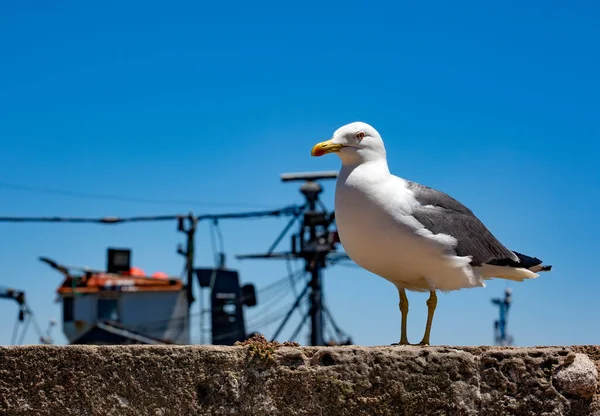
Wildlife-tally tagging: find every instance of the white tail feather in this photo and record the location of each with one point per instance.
(488, 271)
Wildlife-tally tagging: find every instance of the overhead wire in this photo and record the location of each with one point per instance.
(350, 265)
(213, 244)
(112, 197)
(270, 318)
(268, 301)
(277, 284)
(298, 328)
(219, 234)
(291, 273)
(289, 210)
(36, 326)
(24, 330)
(13, 339)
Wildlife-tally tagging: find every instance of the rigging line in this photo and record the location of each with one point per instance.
(289, 210)
(351, 266)
(34, 320)
(285, 230)
(105, 220)
(259, 318)
(24, 331)
(337, 329)
(112, 197)
(322, 205)
(333, 336)
(268, 317)
(219, 236)
(299, 328)
(293, 281)
(213, 244)
(15, 331)
(291, 311)
(284, 282)
(274, 296)
(330, 329)
(273, 287)
(276, 283)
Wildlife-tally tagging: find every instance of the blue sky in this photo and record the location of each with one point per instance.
(496, 104)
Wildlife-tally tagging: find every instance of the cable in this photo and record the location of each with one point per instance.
(335, 326)
(35, 322)
(78, 194)
(293, 281)
(213, 245)
(271, 317)
(299, 328)
(105, 220)
(270, 300)
(24, 331)
(219, 236)
(216, 235)
(285, 230)
(15, 332)
(352, 266)
(274, 285)
(290, 210)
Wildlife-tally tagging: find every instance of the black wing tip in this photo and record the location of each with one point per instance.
(525, 261)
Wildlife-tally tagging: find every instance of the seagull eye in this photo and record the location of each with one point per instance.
(360, 135)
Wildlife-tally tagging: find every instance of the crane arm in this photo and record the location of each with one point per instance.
(9, 293)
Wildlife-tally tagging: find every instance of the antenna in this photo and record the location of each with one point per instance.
(313, 243)
(308, 176)
(501, 337)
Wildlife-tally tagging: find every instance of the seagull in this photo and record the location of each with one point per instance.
(418, 238)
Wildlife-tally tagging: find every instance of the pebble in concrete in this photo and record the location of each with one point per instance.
(579, 378)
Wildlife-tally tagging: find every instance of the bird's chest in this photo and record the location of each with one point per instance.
(371, 226)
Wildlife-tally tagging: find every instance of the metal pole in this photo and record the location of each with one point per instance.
(316, 307)
(314, 264)
(190, 258)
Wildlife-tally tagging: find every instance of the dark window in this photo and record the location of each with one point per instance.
(108, 310)
(68, 309)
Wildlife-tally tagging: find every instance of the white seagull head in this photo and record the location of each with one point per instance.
(354, 143)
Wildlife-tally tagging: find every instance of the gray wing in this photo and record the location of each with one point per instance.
(440, 213)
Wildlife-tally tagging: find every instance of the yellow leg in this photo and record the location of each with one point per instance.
(404, 311)
(431, 304)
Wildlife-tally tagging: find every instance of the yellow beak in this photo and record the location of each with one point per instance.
(325, 147)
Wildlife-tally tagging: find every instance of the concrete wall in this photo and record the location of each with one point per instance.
(266, 379)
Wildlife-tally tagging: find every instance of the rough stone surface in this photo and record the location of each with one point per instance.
(288, 380)
(579, 377)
